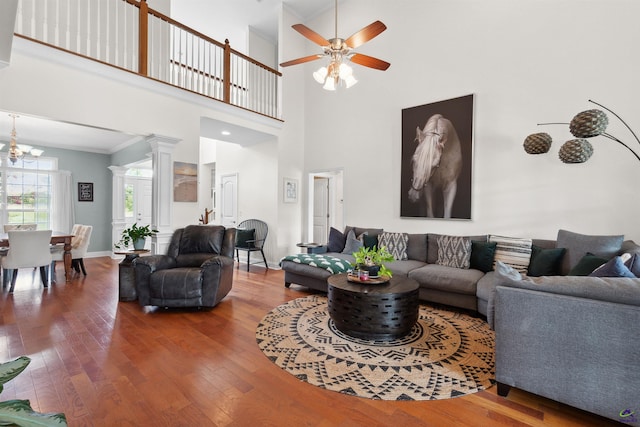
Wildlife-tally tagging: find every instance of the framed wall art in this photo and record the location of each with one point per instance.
(185, 182)
(290, 190)
(437, 155)
(85, 191)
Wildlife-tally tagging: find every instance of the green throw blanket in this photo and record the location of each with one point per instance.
(332, 264)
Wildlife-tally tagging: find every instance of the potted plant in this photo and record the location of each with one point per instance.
(135, 235)
(373, 259)
(19, 412)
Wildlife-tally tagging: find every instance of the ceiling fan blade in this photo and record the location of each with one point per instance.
(365, 34)
(311, 35)
(370, 61)
(302, 60)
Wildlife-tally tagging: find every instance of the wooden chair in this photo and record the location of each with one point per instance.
(27, 249)
(79, 246)
(251, 241)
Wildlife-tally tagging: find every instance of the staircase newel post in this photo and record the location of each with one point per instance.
(226, 94)
(143, 37)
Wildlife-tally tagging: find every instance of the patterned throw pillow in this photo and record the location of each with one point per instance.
(513, 252)
(454, 251)
(396, 244)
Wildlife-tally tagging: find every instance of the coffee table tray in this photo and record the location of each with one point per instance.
(372, 280)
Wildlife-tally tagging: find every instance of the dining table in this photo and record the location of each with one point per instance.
(57, 238)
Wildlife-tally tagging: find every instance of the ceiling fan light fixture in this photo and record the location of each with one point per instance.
(330, 84)
(350, 81)
(36, 152)
(345, 71)
(320, 75)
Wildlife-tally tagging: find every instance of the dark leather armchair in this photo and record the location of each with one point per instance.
(197, 270)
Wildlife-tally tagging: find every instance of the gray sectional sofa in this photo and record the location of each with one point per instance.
(568, 338)
(469, 289)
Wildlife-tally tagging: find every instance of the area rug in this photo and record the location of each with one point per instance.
(447, 354)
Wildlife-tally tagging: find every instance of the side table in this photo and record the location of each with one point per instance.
(126, 274)
(312, 248)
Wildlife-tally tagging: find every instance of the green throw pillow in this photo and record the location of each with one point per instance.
(545, 262)
(243, 237)
(482, 254)
(586, 265)
(370, 241)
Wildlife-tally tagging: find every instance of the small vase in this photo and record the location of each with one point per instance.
(138, 244)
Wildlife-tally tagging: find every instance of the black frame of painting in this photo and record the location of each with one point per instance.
(460, 112)
(85, 191)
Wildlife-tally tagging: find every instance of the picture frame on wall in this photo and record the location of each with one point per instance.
(185, 182)
(437, 159)
(290, 190)
(85, 191)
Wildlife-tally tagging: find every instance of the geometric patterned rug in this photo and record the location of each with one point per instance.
(447, 354)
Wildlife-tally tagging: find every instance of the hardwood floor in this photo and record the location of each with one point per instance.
(108, 363)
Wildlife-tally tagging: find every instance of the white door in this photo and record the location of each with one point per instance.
(320, 209)
(229, 200)
(137, 202)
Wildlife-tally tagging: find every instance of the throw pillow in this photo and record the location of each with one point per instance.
(337, 240)
(545, 262)
(482, 254)
(633, 264)
(244, 237)
(454, 251)
(512, 251)
(352, 244)
(396, 244)
(579, 244)
(586, 265)
(613, 268)
(370, 241)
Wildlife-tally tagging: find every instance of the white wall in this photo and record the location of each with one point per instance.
(527, 62)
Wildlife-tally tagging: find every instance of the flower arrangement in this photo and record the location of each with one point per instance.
(586, 124)
(373, 259)
(135, 235)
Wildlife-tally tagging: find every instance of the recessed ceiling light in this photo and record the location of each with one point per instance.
(226, 132)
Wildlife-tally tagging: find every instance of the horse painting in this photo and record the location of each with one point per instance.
(436, 163)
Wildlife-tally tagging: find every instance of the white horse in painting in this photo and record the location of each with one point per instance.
(437, 163)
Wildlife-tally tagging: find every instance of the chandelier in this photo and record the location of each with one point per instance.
(18, 151)
(337, 72)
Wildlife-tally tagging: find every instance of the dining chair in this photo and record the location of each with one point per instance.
(79, 246)
(27, 249)
(250, 237)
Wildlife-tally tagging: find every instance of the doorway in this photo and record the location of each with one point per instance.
(229, 200)
(138, 201)
(325, 204)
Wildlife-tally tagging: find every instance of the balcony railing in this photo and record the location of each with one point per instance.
(129, 35)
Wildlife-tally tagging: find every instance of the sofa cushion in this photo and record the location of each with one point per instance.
(447, 279)
(613, 268)
(633, 264)
(352, 244)
(402, 268)
(395, 243)
(337, 240)
(586, 265)
(360, 230)
(369, 241)
(454, 251)
(482, 254)
(432, 245)
(417, 247)
(545, 262)
(578, 245)
(513, 251)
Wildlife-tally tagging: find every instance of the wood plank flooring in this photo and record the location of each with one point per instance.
(108, 363)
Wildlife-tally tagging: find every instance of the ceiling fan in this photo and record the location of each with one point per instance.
(339, 50)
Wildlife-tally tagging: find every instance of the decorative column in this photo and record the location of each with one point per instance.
(117, 203)
(162, 199)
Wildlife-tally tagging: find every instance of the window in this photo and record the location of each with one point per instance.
(26, 190)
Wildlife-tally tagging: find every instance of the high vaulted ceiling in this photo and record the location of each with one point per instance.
(261, 15)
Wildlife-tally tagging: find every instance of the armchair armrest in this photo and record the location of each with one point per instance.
(143, 267)
(217, 278)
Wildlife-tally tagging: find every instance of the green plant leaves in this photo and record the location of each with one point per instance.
(10, 370)
(20, 413)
